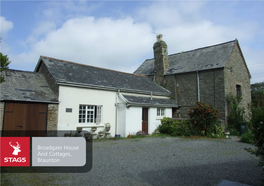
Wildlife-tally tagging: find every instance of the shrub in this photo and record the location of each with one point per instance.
(257, 120)
(233, 132)
(247, 137)
(166, 126)
(235, 112)
(216, 131)
(176, 128)
(204, 117)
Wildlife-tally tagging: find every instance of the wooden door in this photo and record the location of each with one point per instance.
(145, 120)
(21, 119)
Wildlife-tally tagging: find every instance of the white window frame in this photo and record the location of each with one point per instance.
(90, 114)
(99, 114)
(160, 112)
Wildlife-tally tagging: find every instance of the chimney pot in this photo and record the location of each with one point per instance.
(159, 37)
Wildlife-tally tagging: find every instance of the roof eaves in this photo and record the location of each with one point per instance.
(123, 98)
(36, 101)
(100, 87)
(38, 64)
(151, 105)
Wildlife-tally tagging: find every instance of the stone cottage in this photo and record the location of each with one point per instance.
(205, 74)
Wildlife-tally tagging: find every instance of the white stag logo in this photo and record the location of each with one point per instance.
(16, 148)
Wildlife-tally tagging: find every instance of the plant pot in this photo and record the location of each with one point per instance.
(87, 135)
(107, 129)
(94, 135)
(94, 129)
(101, 135)
(129, 135)
(107, 135)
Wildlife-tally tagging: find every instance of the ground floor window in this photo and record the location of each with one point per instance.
(160, 111)
(90, 113)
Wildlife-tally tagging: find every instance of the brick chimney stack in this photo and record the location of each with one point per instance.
(161, 60)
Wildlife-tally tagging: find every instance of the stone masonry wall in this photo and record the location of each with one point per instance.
(236, 74)
(186, 92)
(44, 70)
(212, 89)
(161, 61)
(52, 120)
(2, 106)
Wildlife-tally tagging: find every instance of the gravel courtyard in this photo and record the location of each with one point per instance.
(157, 161)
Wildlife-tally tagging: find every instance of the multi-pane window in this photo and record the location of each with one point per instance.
(90, 114)
(160, 112)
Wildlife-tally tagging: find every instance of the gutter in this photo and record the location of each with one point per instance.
(36, 101)
(150, 105)
(198, 85)
(116, 105)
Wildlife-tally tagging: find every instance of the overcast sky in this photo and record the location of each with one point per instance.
(119, 35)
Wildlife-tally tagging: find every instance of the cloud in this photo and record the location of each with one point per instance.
(103, 42)
(5, 25)
(68, 31)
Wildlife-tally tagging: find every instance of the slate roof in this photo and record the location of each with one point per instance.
(206, 58)
(147, 101)
(65, 72)
(26, 86)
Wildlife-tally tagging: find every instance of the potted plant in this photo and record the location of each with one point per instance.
(101, 133)
(107, 126)
(79, 129)
(129, 135)
(139, 132)
(227, 132)
(94, 129)
(156, 131)
(87, 135)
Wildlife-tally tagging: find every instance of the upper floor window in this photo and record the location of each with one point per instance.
(160, 111)
(238, 90)
(90, 114)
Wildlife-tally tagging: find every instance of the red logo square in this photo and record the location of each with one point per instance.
(15, 151)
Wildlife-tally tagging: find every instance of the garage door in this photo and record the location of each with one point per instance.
(24, 118)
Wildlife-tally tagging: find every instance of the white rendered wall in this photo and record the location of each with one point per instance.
(121, 118)
(133, 120)
(154, 120)
(72, 97)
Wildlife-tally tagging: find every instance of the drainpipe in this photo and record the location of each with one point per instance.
(116, 104)
(198, 85)
(151, 96)
(214, 86)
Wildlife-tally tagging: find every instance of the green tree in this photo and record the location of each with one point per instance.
(4, 66)
(257, 94)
